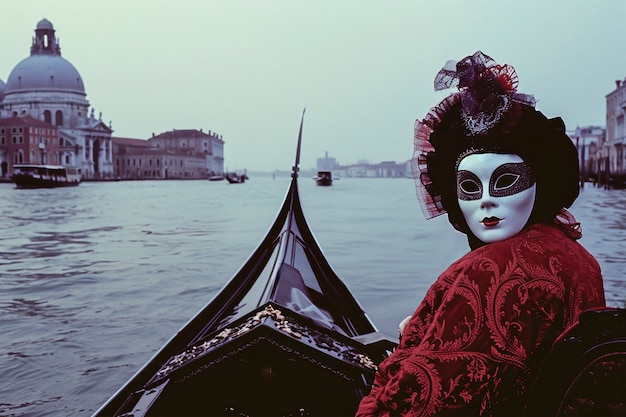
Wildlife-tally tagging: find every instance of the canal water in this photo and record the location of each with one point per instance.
(95, 278)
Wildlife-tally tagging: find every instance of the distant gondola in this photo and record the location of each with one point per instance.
(234, 178)
(284, 337)
(324, 178)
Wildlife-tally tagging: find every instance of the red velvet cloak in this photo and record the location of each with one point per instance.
(470, 346)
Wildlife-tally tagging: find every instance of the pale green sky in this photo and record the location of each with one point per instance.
(363, 69)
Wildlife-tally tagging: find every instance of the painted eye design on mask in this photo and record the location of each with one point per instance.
(505, 181)
(468, 186)
(510, 179)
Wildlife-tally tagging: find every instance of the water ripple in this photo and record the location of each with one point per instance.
(94, 284)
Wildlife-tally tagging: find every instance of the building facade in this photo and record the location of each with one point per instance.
(48, 88)
(612, 150)
(24, 140)
(326, 163)
(177, 154)
(192, 142)
(590, 141)
(385, 169)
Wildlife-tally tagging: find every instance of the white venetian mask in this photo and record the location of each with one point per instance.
(496, 194)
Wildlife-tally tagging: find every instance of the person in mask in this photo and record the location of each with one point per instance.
(504, 174)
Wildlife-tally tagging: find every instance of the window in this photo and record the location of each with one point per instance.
(59, 118)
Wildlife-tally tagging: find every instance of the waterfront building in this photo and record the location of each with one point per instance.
(47, 88)
(192, 142)
(326, 163)
(136, 159)
(408, 168)
(384, 169)
(24, 140)
(177, 154)
(363, 169)
(391, 169)
(612, 150)
(589, 141)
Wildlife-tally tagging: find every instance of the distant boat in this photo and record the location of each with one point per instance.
(234, 178)
(324, 178)
(216, 178)
(44, 176)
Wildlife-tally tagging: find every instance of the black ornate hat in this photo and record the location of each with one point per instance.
(487, 114)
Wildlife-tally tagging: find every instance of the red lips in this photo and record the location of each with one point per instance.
(491, 221)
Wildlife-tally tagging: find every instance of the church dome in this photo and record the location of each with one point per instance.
(45, 24)
(3, 88)
(45, 73)
(45, 69)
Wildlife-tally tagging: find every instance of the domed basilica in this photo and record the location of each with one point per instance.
(44, 114)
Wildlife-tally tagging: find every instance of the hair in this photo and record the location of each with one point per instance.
(540, 142)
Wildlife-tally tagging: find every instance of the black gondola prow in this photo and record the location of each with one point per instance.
(284, 327)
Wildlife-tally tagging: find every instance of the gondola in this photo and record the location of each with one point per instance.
(234, 178)
(324, 178)
(284, 337)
